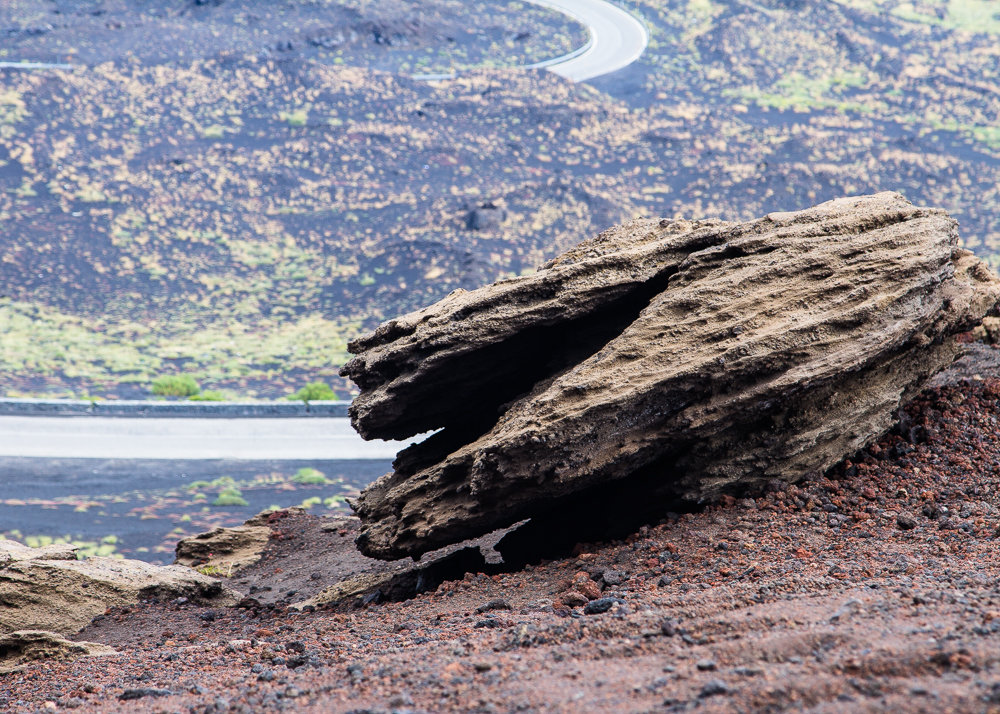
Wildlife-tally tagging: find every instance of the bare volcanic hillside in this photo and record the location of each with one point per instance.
(235, 189)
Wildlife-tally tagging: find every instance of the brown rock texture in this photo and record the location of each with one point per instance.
(11, 552)
(989, 331)
(52, 593)
(19, 649)
(808, 597)
(223, 550)
(661, 359)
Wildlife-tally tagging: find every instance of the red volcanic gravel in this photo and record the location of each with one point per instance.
(873, 588)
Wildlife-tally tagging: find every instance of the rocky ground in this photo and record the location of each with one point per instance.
(872, 588)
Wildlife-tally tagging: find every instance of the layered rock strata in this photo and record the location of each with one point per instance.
(49, 589)
(660, 359)
(20, 649)
(223, 550)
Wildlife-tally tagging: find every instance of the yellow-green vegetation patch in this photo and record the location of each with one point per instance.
(802, 93)
(310, 476)
(295, 117)
(12, 106)
(176, 385)
(988, 135)
(214, 131)
(105, 547)
(964, 15)
(44, 342)
(218, 571)
(209, 395)
(230, 497)
(314, 392)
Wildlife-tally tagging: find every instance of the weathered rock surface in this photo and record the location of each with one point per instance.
(12, 551)
(661, 360)
(19, 649)
(63, 596)
(225, 550)
(989, 331)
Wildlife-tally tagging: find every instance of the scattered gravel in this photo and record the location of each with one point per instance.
(803, 608)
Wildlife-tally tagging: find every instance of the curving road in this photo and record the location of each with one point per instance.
(286, 439)
(617, 39)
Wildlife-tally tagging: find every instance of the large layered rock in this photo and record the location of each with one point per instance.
(661, 359)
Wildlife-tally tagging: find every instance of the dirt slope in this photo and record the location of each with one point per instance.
(874, 588)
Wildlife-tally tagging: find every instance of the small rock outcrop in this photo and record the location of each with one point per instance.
(486, 217)
(989, 331)
(223, 550)
(11, 551)
(660, 360)
(57, 593)
(19, 649)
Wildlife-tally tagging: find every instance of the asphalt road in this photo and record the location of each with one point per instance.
(186, 439)
(617, 39)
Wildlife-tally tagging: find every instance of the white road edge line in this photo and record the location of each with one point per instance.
(36, 65)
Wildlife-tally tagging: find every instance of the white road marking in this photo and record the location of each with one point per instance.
(35, 65)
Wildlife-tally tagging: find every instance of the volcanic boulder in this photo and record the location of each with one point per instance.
(661, 359)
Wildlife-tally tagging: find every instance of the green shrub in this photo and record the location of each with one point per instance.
(213, 132)
(315, 392)
(230, 497)
(175, 385)
(207, 396)
(299, 117)
(309, 476)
